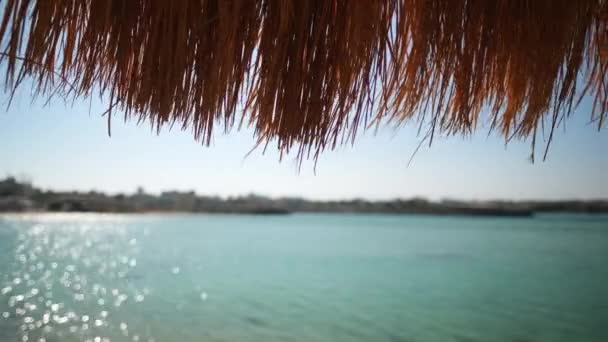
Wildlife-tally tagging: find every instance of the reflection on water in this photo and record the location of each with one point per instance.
(68, 280)
(302, 278)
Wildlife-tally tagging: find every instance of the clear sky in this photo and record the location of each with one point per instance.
(60, 146)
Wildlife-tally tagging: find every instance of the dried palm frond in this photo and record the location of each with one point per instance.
(309, 73)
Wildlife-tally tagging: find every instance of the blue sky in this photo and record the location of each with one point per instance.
(60, 146)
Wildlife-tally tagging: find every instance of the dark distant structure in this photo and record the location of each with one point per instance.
(15, 196)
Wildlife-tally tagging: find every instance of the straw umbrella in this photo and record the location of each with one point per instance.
(309, 74)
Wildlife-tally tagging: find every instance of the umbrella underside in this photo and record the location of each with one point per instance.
(309, 74)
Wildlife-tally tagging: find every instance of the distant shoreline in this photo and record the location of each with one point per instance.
(236, 214)
(19, 197)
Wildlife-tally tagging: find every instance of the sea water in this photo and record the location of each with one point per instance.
(302, 277)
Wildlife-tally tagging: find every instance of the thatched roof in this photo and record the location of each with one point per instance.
(309, 73)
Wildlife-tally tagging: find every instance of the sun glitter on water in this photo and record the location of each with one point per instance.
(70, 278)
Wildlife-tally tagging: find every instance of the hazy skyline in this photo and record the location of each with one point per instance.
(62, 147)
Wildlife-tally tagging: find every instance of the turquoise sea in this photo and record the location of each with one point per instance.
(92, 277)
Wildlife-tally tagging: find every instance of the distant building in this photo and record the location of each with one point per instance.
(15, 204)
(11, 187)
(14, 195)
(176, 200)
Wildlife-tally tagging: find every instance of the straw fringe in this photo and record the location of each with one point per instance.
(309, 73)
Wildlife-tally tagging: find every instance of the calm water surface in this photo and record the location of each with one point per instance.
(302, 278)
